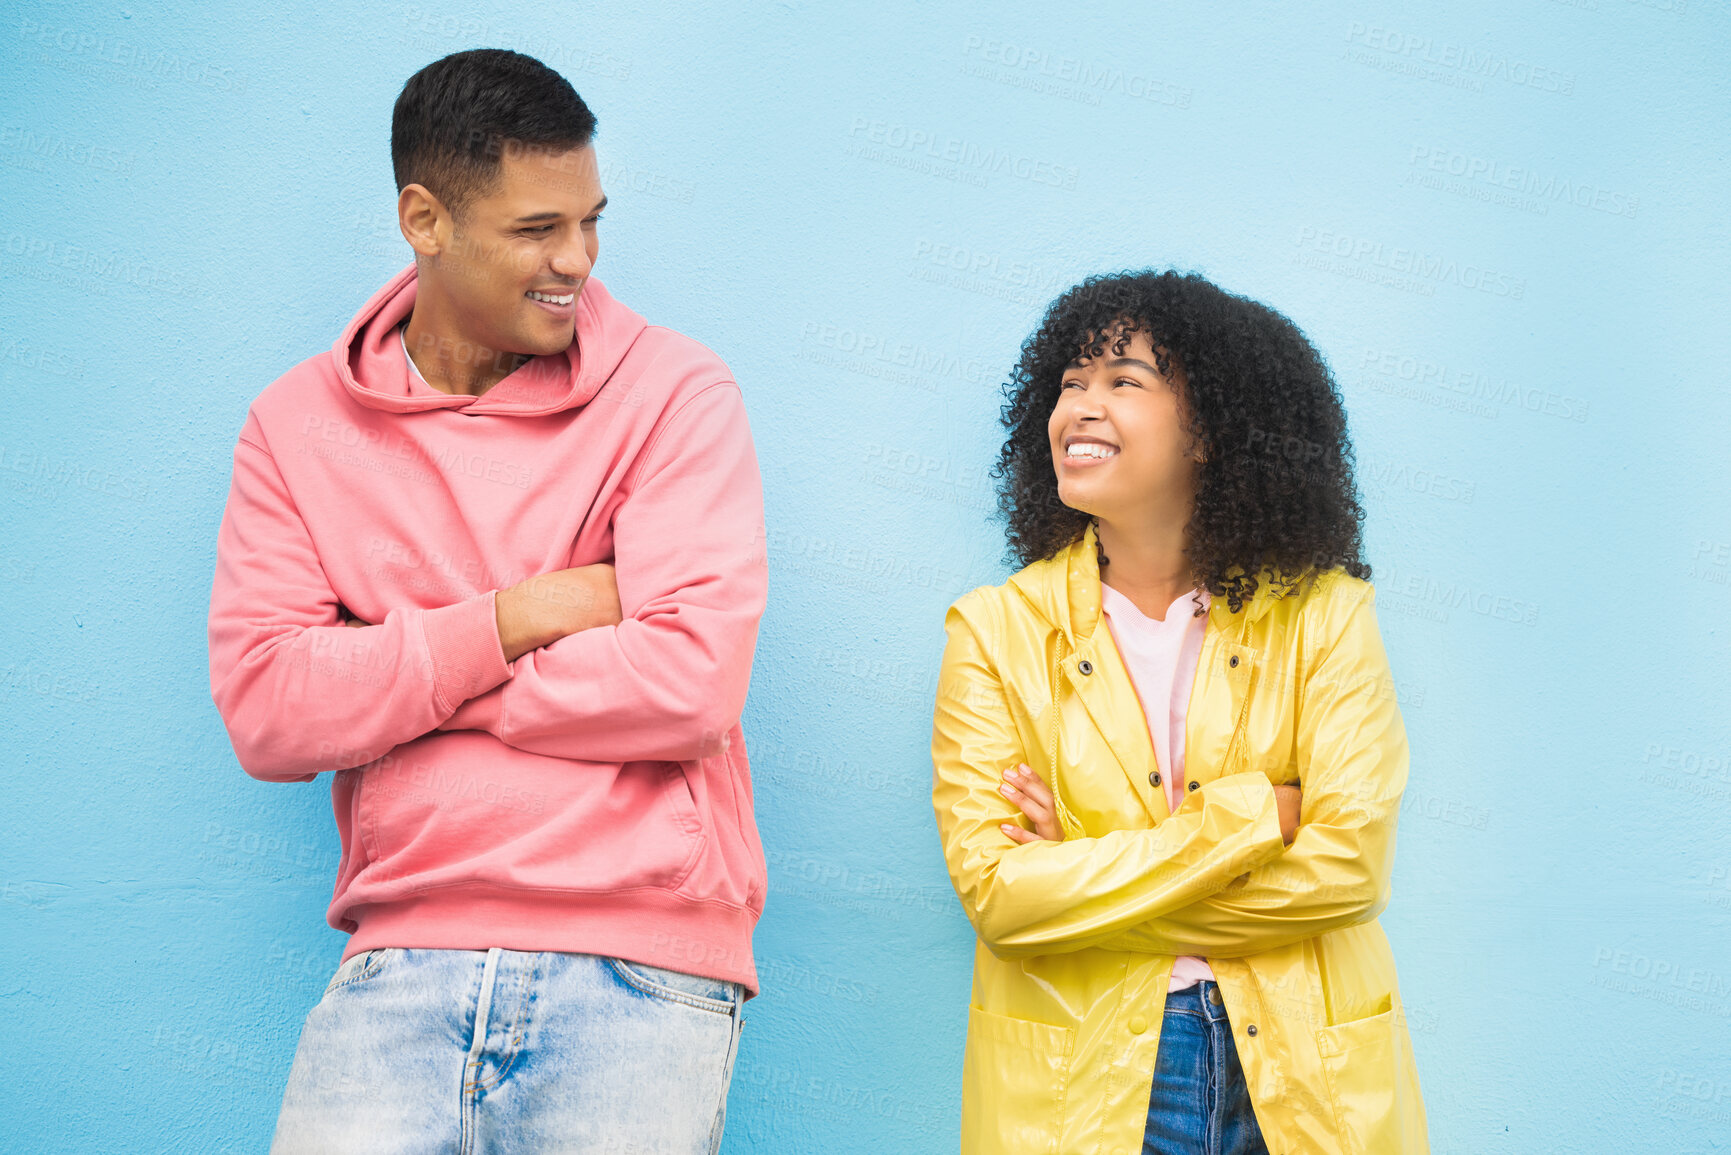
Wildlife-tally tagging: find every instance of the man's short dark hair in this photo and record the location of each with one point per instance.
(457, 117)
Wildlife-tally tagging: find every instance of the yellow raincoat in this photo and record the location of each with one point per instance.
(1077, 938)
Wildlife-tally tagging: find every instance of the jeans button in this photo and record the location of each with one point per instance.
(1214, 995)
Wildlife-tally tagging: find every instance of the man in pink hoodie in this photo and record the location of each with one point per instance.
(496, 562)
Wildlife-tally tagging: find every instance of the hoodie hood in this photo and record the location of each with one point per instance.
(369, 358)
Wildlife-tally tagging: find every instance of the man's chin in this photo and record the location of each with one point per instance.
(543, 344)
(557, 345)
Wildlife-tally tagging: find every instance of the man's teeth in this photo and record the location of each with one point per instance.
(551, 299)
(1091, 449)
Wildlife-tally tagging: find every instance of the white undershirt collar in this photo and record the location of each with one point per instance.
(413, 368)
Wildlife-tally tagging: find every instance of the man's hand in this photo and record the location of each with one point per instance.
(1288, 799)
(1028, 791)
(542, 609)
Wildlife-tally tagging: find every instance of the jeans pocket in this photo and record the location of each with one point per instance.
(358, 968)
(1359, 1061)
(690, 990)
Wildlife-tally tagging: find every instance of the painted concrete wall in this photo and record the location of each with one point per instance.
(1504, 223)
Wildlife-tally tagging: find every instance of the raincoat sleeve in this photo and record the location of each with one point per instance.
(1053, 897)
(1352, 757)
(668, 682)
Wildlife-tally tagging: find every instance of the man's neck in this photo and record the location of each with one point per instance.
(452, 363)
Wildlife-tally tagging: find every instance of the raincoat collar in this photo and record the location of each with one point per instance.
(1065, 589)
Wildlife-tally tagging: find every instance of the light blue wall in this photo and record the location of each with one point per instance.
(1535, 375)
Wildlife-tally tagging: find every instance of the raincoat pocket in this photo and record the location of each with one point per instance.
(1359, 1060)
(1015, 1077)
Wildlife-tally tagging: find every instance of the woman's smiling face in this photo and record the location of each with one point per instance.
(1117, 434)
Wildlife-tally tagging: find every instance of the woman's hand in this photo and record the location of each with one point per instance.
(1028, 790)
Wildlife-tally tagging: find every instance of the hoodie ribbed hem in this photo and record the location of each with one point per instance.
(463, 643)
(655, 927)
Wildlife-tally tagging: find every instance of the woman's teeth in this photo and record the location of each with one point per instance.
(1090, 449)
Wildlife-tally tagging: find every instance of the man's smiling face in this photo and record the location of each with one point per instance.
(513, 261)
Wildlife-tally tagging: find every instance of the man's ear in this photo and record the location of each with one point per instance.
(424, 219)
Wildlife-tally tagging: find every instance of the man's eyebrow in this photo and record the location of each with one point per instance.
(553, 216)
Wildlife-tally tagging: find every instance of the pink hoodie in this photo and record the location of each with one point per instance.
(593, 795)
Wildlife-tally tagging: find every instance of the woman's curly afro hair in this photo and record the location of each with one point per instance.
(1275, 500)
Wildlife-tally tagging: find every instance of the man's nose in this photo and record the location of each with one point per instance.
(571, 261)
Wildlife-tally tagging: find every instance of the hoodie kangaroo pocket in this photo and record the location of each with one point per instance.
(683, 807)
(535, 823)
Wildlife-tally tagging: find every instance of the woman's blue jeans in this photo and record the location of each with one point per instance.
(1199, 1104)
(466, 1052)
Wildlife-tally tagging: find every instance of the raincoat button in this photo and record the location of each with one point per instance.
(1234, 662)
(1085, 666)
(1251, 1029)
(1196, 786)
(1138, 1025)
(1153, 777)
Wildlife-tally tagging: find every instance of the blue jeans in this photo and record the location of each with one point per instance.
(1199, 1104)
(465, 1052)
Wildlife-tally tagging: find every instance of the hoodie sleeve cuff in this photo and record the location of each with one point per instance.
(463, 643)
(482, 712)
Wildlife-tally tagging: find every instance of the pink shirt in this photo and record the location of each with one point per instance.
(1161, 657)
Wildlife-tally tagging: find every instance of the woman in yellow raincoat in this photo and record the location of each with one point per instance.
(1167, 755)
